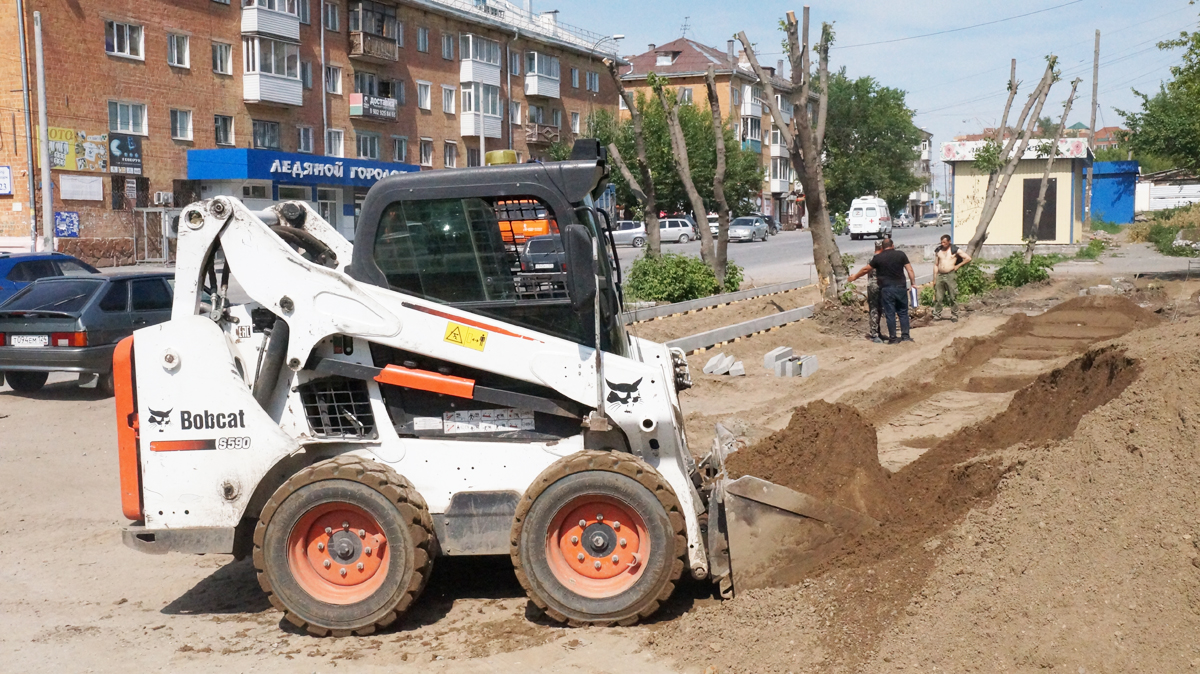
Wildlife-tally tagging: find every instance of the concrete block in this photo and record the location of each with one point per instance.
(724, 366)
(713, 362)
(738, 370)
(808, 365)
(1102, 290)
(775, 355)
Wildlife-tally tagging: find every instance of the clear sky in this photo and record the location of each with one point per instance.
(956, 81)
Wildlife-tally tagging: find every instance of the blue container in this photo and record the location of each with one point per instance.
(1113, 185)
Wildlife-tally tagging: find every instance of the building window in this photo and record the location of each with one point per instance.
(593, 82)
(556, 118)
(575, 77)
(536, 114)
(423, 40)
(448, 95)
(751, 128)
(305, 140)
(399, 149)
(223, 129)
(254, 191)
(305, 11)
(448, 46)
(222, 58)
(306, 74)
(127, 117)
(735, 96)
(181, 124)
(475, 48)
(514, 111)
(685, 95)
(286, 6)
(266, 135)
(541, 64)
(399, 92)
(123, 39)
(368, 145)
(177, 51)
(374, 18)
(450, 154)
(574, 122)
(366, 83)
(621, 103)
(483, 98)
(330, 15)
(333, 79)
(514, 62)
(426, 152)
(473, 156)
(271, 57)
(294, 193)
(333, 143)
(423, 95)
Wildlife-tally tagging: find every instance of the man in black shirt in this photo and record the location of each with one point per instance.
(890, 267)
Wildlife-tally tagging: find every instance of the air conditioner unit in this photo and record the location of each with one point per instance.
(164, 199)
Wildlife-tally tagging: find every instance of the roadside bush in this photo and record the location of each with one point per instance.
(928, 296)
(1092, 250)
(676, 278)
(972, 280)
(1013, 272)
(1138, 232)
(734, 275)
(840, 224)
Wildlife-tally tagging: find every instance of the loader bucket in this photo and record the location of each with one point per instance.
(778, 536)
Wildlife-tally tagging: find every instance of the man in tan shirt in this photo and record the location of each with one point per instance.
(947, 259)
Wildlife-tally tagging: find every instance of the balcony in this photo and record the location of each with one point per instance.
(477, 123)
(363, 106)
(778, 150)
(470, 70)
(272, 89)
(780, 186)
(785, 108)
(373, 48)
(263, 21)
(754, 146)
(542, 134)
(541, 85)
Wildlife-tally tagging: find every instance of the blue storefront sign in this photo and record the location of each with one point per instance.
(66, 224)
(289, 167)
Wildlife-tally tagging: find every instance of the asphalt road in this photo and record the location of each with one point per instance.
(787, 256)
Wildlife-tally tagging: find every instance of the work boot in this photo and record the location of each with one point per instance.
(877, 340)
(906, 338)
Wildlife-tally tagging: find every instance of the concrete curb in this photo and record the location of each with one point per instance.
(650, 313)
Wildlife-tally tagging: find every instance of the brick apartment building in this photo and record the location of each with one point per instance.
(684, 62)
(154, 104)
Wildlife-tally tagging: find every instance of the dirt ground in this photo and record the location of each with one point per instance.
(1041, 477)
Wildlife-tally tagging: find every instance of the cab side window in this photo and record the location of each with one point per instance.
(151, 295)
(116, 298)
(32, 270)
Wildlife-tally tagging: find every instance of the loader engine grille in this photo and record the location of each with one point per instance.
(338, 407)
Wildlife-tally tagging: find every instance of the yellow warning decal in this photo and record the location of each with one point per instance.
(465, 335)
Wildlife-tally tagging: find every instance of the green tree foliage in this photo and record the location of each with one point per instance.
(871, 143)
(1168, 125)
(743, 169)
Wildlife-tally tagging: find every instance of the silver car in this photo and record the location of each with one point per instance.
(629, 233)
(748, 228)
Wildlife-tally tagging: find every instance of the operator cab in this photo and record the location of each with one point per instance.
(457, 238)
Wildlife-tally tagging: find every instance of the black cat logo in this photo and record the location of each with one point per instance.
(160, 419)
(623, 395)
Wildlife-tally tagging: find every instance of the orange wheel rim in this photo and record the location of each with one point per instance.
(597, 546)
(338, 553)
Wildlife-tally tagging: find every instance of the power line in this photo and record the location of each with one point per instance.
(957, 30)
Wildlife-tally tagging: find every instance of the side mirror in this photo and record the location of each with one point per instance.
(581, 269)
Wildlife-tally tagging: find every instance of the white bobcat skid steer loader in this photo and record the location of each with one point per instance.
(374, 406)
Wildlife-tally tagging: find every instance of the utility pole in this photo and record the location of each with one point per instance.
(44, 139)
(1087, 208)
(28, 128)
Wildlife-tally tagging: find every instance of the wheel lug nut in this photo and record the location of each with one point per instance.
(360, 566)
(599, 518)
(328, 530)
(597, 565)
(616, 525)
(582, 523)
(575, 540)
(362, 533)
(615, 559)
(345, 526)
(327, 564)
(368, 551)
(320, 546)
(343, 572)
(579, 556)
(622, 542)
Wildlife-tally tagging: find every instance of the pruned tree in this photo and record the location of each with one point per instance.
(804, 142)
(670, 102)
(643, 190)
(1051, 152)
(722, 243)
(1000, 159)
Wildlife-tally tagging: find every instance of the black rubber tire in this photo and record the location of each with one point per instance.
(105, 383)
(639, 242)
(617, 475)
(26, 382)
(387, 497)
(684, 238)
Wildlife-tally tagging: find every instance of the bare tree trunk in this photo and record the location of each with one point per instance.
(670, 103)
(1087, 206)
(714, 105)
(649, 204)
(805, 147)
(1012, 157)
(1012, 94)
(1041, 200)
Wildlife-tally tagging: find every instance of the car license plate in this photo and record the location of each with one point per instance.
(547, 265)
(29, 340)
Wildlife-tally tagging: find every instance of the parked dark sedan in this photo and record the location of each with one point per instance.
(18, 270)
(543, 255)
(72, 324)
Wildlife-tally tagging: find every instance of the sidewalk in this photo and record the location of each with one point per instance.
(1127, 260)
